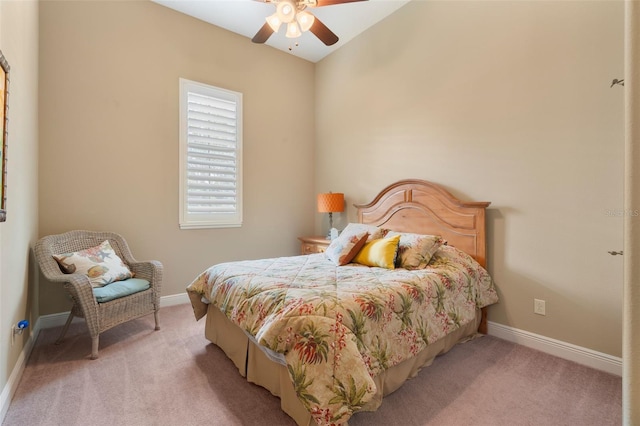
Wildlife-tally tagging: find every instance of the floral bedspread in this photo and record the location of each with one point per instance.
(339, 326)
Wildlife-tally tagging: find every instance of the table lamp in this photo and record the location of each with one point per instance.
(331, 202)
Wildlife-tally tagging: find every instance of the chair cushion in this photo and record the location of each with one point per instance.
(120, 289)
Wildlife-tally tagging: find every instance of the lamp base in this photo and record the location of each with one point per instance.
(333, 234)
(330, 226)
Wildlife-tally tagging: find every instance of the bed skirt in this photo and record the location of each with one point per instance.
(253, 364)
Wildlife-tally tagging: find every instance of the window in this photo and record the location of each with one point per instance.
(210, 156)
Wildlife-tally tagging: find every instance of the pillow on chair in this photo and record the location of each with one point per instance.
(101, 264)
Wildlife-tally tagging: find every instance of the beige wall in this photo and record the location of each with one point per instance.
(18, 300)
(515, 95)
(109, 123)
(507, 102)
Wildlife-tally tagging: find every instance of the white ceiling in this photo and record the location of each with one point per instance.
(245, 17)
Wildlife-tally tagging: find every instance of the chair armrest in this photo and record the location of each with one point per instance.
(151, 270)
(80, 288)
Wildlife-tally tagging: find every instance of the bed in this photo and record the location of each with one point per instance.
(333, 340)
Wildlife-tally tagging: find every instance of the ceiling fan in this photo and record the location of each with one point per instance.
(298, 20)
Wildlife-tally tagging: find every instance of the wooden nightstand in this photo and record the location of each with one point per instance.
(312, 245)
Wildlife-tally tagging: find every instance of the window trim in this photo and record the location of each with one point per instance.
(187, 221)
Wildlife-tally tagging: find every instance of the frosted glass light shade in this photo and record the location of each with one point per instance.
(305, 19)
(293, 30)
(286, 11)
(274, 22)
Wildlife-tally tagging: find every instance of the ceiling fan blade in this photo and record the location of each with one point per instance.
(332, 2)
(323, 32)
(263, 34)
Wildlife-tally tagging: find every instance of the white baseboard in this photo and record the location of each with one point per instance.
(16, 374)
(568, 351)
(57, 320)
(50, 321)
(174, 299)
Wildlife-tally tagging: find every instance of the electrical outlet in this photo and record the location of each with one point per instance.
(539, 307)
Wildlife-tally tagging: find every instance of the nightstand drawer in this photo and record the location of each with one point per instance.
(312, 248)
(311, 245)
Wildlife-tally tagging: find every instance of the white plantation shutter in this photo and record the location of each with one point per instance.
(210, 156)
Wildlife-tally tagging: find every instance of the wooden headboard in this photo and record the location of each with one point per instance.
(423, 207)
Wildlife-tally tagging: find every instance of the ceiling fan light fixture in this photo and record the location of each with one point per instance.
(274, 22)
(305, 20)
(293, 30)
(286, 11)
(298, 20)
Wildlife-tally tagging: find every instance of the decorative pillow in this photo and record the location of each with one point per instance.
(415, 250)
(101, 264)
(348, 244)
(375, 233)
(381, 252)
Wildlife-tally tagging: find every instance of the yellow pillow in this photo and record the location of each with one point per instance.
(381, 252)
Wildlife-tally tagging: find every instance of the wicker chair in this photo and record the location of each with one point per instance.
(99, 316)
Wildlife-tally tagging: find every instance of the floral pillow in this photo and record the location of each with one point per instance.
(375, 233)
(415, 250)
(381, 252)
(342, 249)
(101, 264)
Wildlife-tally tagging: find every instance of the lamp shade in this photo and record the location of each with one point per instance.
(293, 30)
(331, 202)
(274, 22)
(305, 19)
(286, 11)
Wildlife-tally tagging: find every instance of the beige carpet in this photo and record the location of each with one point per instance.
(175, 377)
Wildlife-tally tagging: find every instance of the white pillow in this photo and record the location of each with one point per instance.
(344, 248)
(101, 264)
(375, 233)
